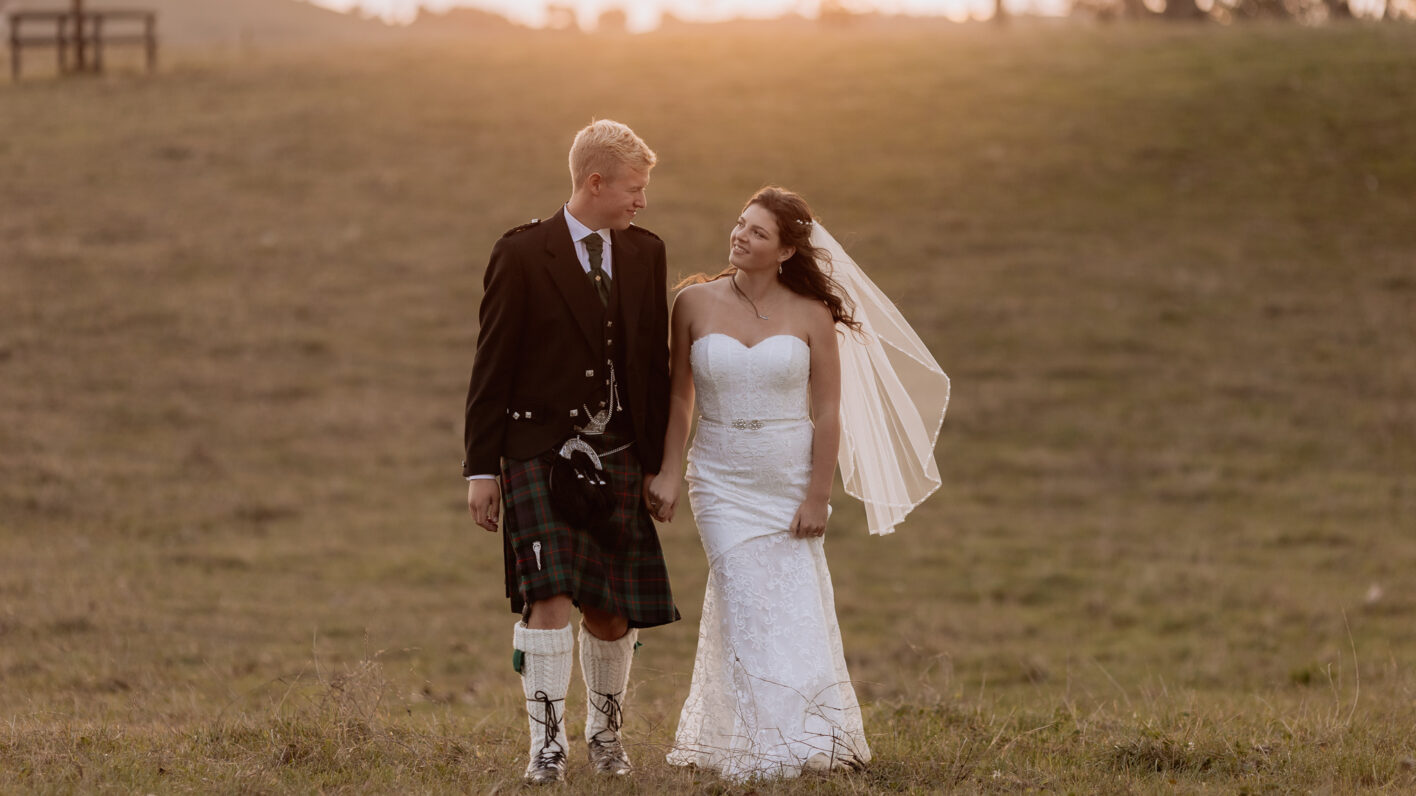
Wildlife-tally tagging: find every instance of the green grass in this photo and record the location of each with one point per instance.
(1170, 272)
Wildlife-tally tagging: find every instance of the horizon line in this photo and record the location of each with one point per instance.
(642, 16)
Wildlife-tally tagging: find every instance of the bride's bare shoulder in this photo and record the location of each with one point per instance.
(809, 309)
(816, 318)
(698, 293)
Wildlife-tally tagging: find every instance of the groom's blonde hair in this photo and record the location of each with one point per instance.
(603, 147)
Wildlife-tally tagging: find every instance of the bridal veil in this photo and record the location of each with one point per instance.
(893, 398)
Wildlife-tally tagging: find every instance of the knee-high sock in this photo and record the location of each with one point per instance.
(605, 665)
(545, 678)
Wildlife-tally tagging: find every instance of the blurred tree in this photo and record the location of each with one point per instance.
(1306, 11)
(458, 20)
(1338, 9)
(1263, 9)
(612, 20)
(837, 12)
(1111, 10)
(1183, 11)
(559, 17)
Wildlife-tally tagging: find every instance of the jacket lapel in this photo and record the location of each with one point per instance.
(565, 270)
(631, 279)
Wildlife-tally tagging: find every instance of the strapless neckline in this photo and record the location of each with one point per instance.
(745, 345)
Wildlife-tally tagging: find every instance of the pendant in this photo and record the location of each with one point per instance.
(598, 423)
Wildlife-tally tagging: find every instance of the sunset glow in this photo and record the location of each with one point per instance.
(644, 15)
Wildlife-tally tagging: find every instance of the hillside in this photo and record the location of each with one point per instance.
(1169, 270)
(246, 22)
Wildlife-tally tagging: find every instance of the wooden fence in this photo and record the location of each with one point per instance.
(80, 37)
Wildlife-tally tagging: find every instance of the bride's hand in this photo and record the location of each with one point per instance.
(810, 520)
(661, 494)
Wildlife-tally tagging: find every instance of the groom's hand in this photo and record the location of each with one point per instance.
(484, 502)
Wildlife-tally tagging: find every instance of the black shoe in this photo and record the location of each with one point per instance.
(608, 757)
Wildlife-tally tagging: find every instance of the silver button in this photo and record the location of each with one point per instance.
(515, 415)
(528, 415)
(575, 413)
(602, 403)
(589, 374)
(610, 324)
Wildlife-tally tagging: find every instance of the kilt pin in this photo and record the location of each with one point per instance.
(550, 355)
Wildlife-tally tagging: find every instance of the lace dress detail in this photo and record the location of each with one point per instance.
(770, 687)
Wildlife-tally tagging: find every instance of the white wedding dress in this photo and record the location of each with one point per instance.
(770, 688)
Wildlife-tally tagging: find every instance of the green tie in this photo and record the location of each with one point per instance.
(595, 247)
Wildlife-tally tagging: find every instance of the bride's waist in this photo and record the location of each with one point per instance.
(752, 423)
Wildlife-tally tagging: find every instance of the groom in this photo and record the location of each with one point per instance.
(574, 343)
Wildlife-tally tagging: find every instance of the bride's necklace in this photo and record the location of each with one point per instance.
(747, 298)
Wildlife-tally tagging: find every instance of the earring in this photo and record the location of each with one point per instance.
(779, 269)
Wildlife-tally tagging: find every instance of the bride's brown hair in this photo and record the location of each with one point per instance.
(802, 273)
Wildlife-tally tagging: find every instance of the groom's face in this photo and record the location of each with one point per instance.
(621, 196)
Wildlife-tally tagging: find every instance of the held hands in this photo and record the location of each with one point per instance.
(484, 502)
(810, 519)
(661, 494)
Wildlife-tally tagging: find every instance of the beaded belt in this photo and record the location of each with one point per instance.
(750, 425)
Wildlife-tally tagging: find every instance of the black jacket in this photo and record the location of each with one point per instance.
(540, 352)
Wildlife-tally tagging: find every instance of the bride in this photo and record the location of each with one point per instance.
(786, 354)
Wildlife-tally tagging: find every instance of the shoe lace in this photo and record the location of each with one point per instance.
(614, 715)
(547, 755)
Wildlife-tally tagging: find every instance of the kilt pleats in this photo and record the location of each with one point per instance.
(544, 556)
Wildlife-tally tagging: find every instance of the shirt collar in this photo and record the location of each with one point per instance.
(578, 230)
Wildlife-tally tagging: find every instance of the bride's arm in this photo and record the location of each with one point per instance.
(664, 488)
(826, 419)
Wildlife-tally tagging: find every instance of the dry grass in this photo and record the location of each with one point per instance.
(1170, 272)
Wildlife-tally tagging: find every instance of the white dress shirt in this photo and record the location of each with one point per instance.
(579, 231)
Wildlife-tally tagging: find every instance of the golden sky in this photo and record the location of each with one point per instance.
(645, 14)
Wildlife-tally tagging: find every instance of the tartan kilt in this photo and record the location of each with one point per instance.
(630, 581)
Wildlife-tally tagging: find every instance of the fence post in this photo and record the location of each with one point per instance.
(14, 47)
(80, 53)
(98, 43)
(150, 32)
(61, 42)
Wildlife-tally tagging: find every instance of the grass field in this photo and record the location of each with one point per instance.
(1172, 273)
